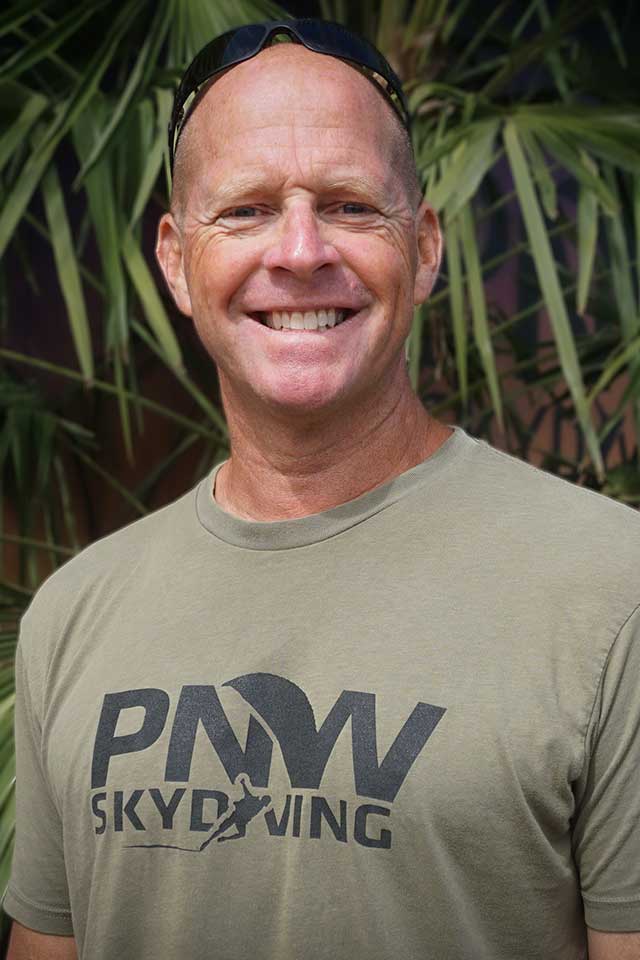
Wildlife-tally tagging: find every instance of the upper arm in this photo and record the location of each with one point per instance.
(37, 895)
(27, 944)
(613, 946)
(606, 823)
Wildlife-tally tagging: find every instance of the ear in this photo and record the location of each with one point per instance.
(171, 260)
(429, 238)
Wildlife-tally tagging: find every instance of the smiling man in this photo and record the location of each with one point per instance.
(426, 650)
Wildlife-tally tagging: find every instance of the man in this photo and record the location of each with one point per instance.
(426, 650)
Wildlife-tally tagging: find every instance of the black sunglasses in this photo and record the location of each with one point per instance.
(321, 36)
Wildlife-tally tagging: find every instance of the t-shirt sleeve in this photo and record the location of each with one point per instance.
(606, 833)
(37, 895)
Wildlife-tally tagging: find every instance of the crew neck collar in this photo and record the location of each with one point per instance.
(304, 531)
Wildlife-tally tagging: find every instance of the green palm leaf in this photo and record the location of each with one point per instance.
(20, 129)
(49, 41)
(140, 73)
(587, 241)
(20, 11)
(28, 180)
(548, 280)
(456, 288)
(481, 331)
(68, 272)
(150, 299)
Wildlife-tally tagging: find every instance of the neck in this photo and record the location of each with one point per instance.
(280, 468)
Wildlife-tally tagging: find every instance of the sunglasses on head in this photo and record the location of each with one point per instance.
(321, 36)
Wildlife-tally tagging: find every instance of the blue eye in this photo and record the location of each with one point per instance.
(242, 212)
(355, 208)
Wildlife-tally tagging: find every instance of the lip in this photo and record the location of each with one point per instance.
(302, 308)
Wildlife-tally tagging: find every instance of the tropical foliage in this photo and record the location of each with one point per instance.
(527, 135)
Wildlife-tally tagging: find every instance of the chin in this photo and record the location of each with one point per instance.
(302, 396)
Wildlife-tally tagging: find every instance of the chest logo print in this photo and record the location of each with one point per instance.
(280, 714)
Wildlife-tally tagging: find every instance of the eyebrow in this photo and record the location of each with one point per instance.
(245, 186)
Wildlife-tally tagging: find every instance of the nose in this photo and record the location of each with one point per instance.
(299, 245)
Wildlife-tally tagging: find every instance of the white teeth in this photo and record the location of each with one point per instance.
(309, 320)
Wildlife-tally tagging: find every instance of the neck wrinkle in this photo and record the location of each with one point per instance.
(255, 484)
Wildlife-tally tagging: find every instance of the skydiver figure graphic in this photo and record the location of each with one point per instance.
(244, 810)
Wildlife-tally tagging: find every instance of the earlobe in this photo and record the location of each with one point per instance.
(170, 259)
(429, 238)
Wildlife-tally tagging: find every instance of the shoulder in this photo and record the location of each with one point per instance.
(518, 492)
(542, 537)
(108, 568)
(566, 535)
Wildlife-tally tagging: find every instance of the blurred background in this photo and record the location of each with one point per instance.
(527, 137)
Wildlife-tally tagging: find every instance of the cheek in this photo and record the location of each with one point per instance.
(384, 263)
(215, 272)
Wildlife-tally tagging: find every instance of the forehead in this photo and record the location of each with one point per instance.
(286, 101)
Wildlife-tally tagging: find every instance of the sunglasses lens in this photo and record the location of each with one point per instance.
(225, 51)
(333, 39)
(244, 43)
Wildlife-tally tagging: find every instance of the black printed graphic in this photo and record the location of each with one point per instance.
(281, 715)
(244, 810)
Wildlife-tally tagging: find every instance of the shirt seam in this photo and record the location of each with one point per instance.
(35, 726)
(28, 902)
(297, 546)
(610, 899)
(551, 477)
(391, 502)
(603, 670)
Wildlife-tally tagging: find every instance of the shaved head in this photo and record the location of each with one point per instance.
(270, 72)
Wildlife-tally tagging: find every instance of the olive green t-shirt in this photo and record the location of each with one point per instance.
(408, 726)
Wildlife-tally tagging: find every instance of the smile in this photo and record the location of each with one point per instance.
(304, 320)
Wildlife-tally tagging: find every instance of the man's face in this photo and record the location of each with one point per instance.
(292, 202)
